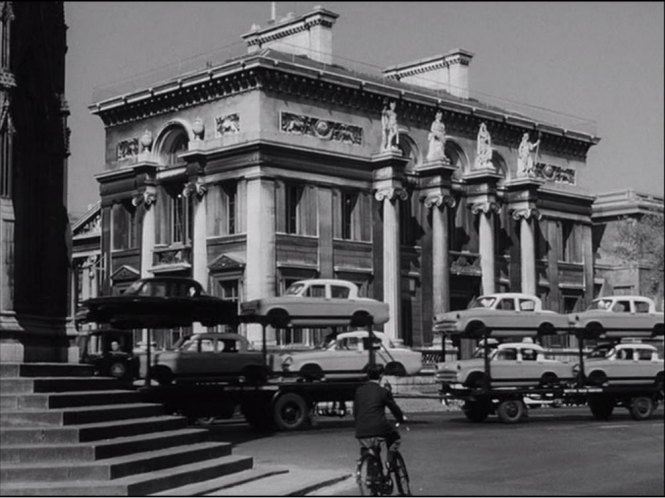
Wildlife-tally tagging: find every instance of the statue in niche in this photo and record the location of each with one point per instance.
(524, 157)
(437, 138)
(389, 132)
(483, 148)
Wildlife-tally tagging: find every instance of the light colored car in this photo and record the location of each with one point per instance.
(618, 316)
(348, 357)
(210, 356)
(317, 302)
(512, 364)
(630, 363)
(507, 314)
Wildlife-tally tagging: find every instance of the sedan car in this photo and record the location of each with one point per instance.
(512, 364)
(317, 302)
(508, 314)
(618, 316)
(348, 357)
(210, 356)
(159, 302)
(629, 363)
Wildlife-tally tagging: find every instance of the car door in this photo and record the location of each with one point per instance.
(204, 361)
(529, 368)
(348, 356)
(505, 315)
(504, 365)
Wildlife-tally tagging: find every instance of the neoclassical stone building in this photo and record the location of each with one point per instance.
(280, 164)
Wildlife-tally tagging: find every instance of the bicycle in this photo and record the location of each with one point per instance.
(374, 480)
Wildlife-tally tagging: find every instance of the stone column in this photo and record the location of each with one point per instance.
(197, 191)
(439, 203)
(527, 249)
(260, 268)
(391, 256)
(147, 199)
(486, 212)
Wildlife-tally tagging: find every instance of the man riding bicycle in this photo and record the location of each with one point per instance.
(369, 406)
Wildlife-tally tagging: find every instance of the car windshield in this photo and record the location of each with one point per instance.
(600, 304)
(482, 302)
(134, 288)
(294, 289)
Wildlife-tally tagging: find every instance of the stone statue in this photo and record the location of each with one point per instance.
(389, 127)
(436, 138)
(524, 158)
(483, 148)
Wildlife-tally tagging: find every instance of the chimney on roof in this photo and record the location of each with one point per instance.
(308, 34)
(448, 72)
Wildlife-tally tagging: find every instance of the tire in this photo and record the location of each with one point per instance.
(511, 411)
(290, 412)
(361, 319)
(594, 330)
(597, 378)
(641, 407)
(476, 380)
(601, 407)
(395, 368)
(118, 369)
(549, 379)
(278, 318)
(475, 330)
(476, 411)
(368, 482)
(546, 329)
(401, 476)
(311, 372)
(163, 375)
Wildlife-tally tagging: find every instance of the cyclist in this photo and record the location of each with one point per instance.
(369, 406)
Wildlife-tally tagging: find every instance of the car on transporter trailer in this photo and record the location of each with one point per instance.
(623, 364)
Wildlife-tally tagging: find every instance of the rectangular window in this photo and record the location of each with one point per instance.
(349, 202)
(293, 198)
(299, 211)
(352, 215)
(124, 226)
(221, 201)
(571, 247)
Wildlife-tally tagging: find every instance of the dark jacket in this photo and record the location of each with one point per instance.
(369, 410)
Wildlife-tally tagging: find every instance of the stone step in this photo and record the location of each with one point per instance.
(224, 482)
(136, 485)
(46, 370)
(108, 448)
(90, 432)
(66, 399)
(113, 468)
(79, 415)
(26, 385)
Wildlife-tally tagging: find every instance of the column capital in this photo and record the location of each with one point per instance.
(195, 187)
(485, 207)
(526, 213)
(147, 198)
(390, 194)
(438, 200)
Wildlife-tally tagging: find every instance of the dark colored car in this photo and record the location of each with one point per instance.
(159, 302)
(111, 353)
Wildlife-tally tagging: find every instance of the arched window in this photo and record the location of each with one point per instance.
(173, 141)
(457, 157)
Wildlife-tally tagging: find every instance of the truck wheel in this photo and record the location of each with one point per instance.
(256, 414)
(395, 368)
(641, 407)
(290, 412)
(476, 411)
(163, 375)
(601, 407)
(511, 411)
(118, 369)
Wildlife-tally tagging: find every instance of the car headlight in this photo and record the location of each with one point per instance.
(576, 369)
(287, 362)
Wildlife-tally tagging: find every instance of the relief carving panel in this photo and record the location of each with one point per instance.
(320, 128)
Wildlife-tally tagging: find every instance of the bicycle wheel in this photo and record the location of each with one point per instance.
(401, 476)
(366, 476)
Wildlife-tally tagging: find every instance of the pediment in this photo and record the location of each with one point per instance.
(124, 273)
(226, 263)
(89, 223)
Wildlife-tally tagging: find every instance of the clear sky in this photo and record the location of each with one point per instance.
(601, 61)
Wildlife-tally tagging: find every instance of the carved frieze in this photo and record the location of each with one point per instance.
(128, 149)
(320, 128)
(227, 125)
(553, 173)
(92, 226)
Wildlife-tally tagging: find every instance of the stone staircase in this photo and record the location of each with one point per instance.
(65, 432)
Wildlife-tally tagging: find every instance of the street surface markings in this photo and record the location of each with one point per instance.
(613, 426)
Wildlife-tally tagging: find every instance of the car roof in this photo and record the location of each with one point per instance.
(169, 279)
(632, 297)
(325, 281)
(530, 345)
(638, 345)
(361, 333)
(218, 335)
(511, 294)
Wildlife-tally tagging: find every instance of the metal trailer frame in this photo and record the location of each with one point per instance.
(508, 403)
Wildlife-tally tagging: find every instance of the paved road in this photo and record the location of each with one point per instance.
(558, 452)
